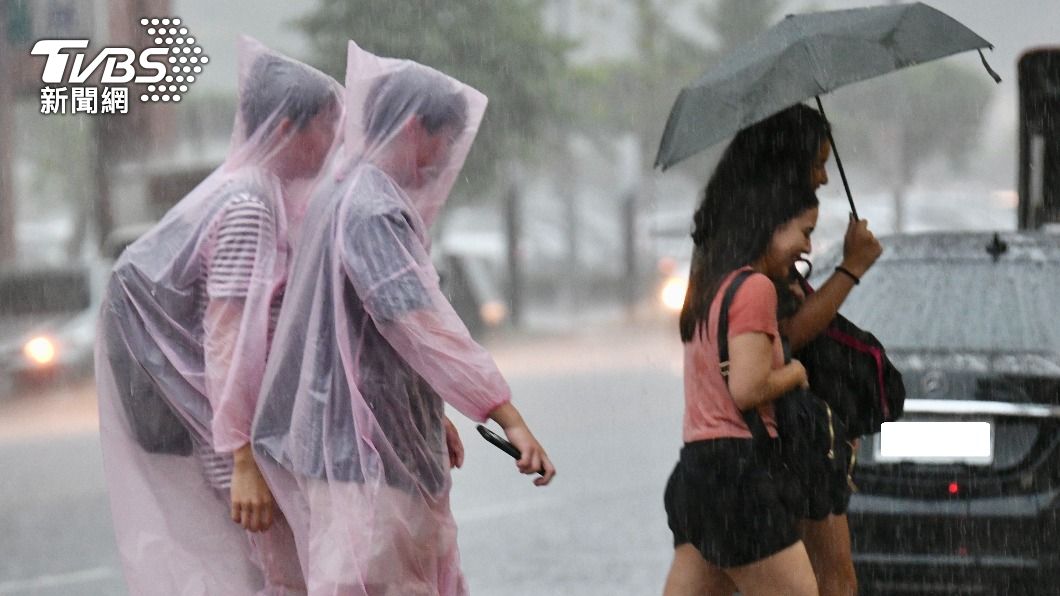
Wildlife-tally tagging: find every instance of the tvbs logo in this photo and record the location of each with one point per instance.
(118, 63)
(167, 68)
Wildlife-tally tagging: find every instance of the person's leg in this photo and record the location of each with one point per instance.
(331, 570)
(275, 554)
(787, 572)
(691, 575)
(380, 542)
(828, 546)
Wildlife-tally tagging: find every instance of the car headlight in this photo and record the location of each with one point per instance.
(493, 313)
(40, 350)
(673, 292)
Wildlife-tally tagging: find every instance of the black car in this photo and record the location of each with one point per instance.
(963, 494)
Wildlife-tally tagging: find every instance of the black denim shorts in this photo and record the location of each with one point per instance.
(730, 502)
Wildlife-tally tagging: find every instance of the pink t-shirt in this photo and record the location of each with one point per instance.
(710, 412)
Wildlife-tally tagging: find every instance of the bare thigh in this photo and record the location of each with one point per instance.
(786, 573)
(691, 575)
(828, 546)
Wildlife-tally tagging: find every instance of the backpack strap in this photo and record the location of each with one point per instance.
(750, 416)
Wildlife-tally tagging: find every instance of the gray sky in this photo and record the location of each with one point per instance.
(218, 26)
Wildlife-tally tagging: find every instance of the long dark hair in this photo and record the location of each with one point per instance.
(762, 180)
(781, 148)
(735, 232)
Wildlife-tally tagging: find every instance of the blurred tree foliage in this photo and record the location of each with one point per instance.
(500, 47)
(940, 105)
(947, 103)
(733, 22)
(503, 48)
(908, 117)
(634, 95)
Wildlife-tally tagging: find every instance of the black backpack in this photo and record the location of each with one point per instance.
(136, 364)
(849, 369)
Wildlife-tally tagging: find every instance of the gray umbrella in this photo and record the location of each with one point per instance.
(804, 56)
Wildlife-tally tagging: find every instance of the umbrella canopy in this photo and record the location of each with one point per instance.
(804, 56)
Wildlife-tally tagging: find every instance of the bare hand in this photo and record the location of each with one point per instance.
(533, 458)
(453, 444)
(860, 247)
(252, 504)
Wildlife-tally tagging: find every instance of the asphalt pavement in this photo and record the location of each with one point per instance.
(604, 401)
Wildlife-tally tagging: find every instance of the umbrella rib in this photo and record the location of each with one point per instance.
(754, 88)
(815, 62)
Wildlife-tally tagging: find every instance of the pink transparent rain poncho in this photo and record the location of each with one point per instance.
(368, 350)
(183, 336)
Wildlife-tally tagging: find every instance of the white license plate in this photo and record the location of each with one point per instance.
(936, 442)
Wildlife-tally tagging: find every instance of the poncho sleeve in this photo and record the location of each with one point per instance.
(389, 268)
(239, 278)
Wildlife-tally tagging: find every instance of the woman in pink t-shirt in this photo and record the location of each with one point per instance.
(724, 502)
(792, 147)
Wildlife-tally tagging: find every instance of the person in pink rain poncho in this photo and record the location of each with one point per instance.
(350, 427)
(183, 337)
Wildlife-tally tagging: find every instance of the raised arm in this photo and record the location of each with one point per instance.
(860, 251)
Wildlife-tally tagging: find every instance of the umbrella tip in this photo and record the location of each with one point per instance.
(989, 71)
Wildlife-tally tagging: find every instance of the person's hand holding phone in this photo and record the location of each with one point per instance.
(533, 458)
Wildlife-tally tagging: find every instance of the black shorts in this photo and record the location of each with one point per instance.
(724, 499)
(826, 487)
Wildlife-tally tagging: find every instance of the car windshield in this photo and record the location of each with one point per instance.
(43, 292)
(955, 305)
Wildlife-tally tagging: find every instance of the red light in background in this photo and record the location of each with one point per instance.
(954, 488)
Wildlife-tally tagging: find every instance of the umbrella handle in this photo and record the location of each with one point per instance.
(838, 161)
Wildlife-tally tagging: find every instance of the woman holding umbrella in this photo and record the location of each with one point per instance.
(800, 58)
(795, 143)
(789, 150)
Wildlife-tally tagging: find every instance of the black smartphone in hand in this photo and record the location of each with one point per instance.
(501, 443)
